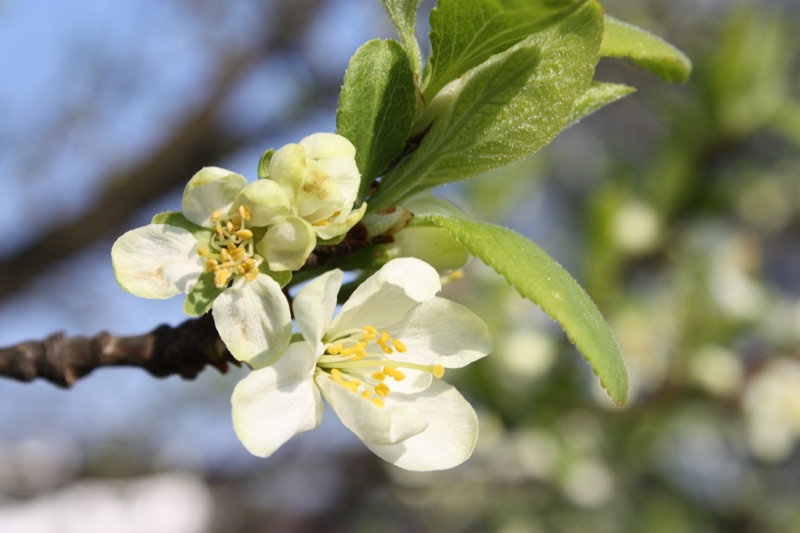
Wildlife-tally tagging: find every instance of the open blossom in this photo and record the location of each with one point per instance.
(378, 364)
(211, 247)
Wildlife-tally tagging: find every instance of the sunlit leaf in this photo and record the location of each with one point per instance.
(598, 95)
(508, 108)
(646, 50)
(404, 16)
(377, 106)
(536, 276)
(464, 34)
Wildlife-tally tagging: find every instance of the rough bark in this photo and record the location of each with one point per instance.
(184, 350)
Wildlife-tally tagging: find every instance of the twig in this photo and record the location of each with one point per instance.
(184, 350)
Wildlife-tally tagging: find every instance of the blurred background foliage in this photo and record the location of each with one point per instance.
(678, 208)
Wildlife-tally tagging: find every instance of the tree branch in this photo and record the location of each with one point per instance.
(184, 350)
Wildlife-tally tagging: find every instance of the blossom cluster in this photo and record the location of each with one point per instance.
(378, 363)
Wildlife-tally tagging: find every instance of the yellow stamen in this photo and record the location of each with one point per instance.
(251, 274)
(378, 402)
(386, 349)
(370, 330)
(384, 338)
(320, 223)
(336, 214)
(203, 251)
(216, 215)
(381, 389)
(380, 376)
(398, 376)
(239, 253)
(438, 371)
(244, 234)
(221, 277)
(366, 394)
(244, 212)
(399, 346)
(336, 375)
(211, 265)
(226, 256)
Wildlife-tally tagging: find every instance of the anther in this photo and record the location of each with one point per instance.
(399, 346)
(438, 371)
(229, 226)
(380, 376)
(381, 389)
(336, 375)
(216, 215)
(244, 234)
(377, 401)
(221, 277)
(211, 265)
(226, 256)
(203, 251)
(386, 349)
(251, 274)
(320, 223)
(384, 338)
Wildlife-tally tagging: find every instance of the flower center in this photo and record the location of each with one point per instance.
(364, 372)
(230, 252)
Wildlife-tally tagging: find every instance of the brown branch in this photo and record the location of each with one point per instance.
(184, 350)
(199, 140)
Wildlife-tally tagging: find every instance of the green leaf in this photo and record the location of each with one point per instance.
(536, 276)
(176, 218)
(199, 301)
(464, 34)
(646, 50)
(404, 17)
(377, 106)
(508, 108)
(596, 96)
(263, 164)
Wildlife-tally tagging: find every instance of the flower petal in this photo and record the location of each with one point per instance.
(253, 320)
(386, 296)
(344, 172)
(320, 197)
(315, 304)
(449, 439)
(211, 189)
(287, 245)
(443, 332)
(156, 261)
(325, 145)
(267, 202)
(288, 169)
(273, 404)
(334, 229)
(372, 424)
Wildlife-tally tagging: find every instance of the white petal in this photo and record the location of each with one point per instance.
(267, 202)
(288, 168)
(325, 145)
(319, 197)
(287, 245)
(211, 189)
(372, 424)
(315, 304)
(386, 296)
(449, 439)
(442, 332)
(253, 320)
(334, 229)
(157, 261)
(273, 404)
(344, 172)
